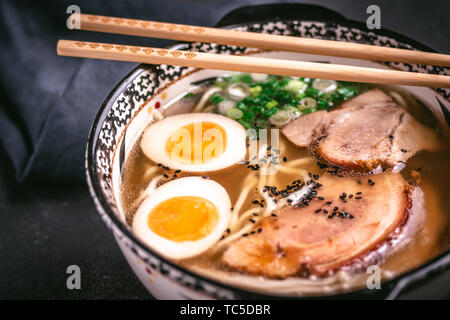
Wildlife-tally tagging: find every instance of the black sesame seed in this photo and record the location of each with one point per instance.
(318, 210)
(371, 182)
(259, 230)
(404, 150)
(177, 171)
(245, 235)
(358, 198)
(252, 221)
(274, 215)
(205, 177)
(165, 175)
(284, 159)
(322, 165)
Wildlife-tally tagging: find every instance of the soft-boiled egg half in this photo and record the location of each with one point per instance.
(195, 142)
(183, 217)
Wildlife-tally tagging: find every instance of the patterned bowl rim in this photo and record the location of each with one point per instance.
(390, 288)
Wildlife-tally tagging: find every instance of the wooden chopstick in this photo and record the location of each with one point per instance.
(149, 55)
(258, 40)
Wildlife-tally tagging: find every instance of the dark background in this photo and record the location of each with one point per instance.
(47, 220)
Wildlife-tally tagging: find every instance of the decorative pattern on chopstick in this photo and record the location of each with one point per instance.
(146, 24)
(134, 49)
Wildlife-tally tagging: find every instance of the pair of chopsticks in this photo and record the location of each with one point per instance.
(153, 29)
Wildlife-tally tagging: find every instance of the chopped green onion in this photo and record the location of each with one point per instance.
(296, 86)
(216, 98)
(280, 118)
(271, 104)
(347, 92)
(323, 104)
(259, 77)
(255, 91)
(237, 91)
(246, 124)
(188, 95)
(300, 96)
(222, 82)
(294, 112)
(256, 99)
(234, 113)
(311, 92)
(225, 105)
(309, 110)
(306, 80)
(241, 77)
(270, 112)
(306, 103)
(249, 115)
(324, 86)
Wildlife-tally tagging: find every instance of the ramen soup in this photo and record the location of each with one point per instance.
(291, 186)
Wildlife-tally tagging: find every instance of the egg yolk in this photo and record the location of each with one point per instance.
(197, 143)
(183, 218)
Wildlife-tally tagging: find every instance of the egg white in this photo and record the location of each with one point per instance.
(154, 138)
(189, 186)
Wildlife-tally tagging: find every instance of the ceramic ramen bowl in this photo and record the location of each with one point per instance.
(124, 115)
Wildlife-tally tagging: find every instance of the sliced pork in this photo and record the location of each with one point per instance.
(364, 133)
(351, 222)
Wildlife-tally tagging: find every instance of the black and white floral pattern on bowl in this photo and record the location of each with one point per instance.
(125, 113)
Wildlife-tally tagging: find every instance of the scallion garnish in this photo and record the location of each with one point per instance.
(256, 101)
